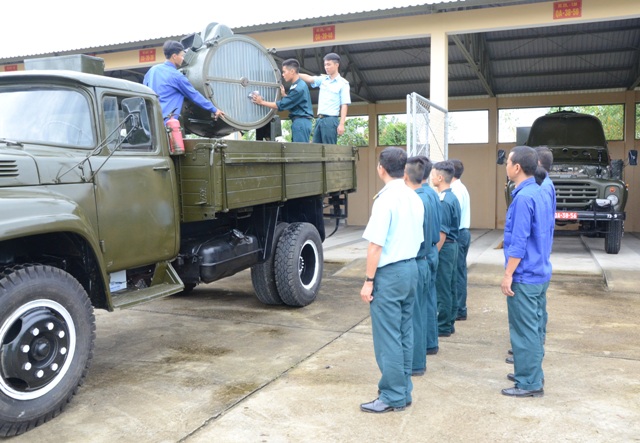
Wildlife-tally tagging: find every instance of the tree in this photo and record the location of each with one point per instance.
(391, 131)
(356, 132)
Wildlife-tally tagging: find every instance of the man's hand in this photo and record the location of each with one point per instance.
(366, 292)
(340, 129)
(257, 99)
(217, 114)
(283, 93)
(506, 285)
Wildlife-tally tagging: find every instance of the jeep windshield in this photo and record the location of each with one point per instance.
(46, 115)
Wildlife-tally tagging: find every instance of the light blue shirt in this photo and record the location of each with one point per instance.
(333, 94)
(460, 191)
(396, 222)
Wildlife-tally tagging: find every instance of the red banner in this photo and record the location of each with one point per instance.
(569, 9)
(147, 55)
(8, 68)
(322, 33)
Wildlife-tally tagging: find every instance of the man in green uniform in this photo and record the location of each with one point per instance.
(441, 176)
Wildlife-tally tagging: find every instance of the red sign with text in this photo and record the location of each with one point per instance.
(147, 55)
(571, 9)
(8, 68)
(322, 33)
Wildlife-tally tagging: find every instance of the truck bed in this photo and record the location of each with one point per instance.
(219, 175)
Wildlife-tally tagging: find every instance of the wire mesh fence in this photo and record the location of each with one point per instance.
(427, 128)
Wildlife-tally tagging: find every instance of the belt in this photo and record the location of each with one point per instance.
(296, 118)
(424, 257)
(449, 241)
(326, 116)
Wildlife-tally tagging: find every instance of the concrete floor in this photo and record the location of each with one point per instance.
(218, 366)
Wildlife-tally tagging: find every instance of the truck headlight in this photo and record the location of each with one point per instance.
(613, 199)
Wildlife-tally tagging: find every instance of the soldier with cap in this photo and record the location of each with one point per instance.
(333, 101)
(172, 87)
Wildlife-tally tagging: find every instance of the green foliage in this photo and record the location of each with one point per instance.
(391, 131)
(356, 132)
(611, 116)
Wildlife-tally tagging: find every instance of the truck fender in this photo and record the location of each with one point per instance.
(36, 211)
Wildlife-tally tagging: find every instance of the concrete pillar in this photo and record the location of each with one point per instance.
(438, 85)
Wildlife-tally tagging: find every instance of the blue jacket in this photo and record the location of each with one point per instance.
(172, 87)
(528, 234)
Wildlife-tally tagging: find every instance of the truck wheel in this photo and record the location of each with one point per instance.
(47, 330)
(299, 264)
(263, 275)
(613, 237)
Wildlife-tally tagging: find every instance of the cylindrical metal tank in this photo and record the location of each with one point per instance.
(226, 68)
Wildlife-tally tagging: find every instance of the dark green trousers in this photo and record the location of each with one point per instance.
(446, 287)
(391, 310)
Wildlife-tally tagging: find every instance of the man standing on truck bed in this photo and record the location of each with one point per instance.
(333, 101)
(172, 87)
(297, 102)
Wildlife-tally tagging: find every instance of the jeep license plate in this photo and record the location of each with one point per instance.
(566, 215)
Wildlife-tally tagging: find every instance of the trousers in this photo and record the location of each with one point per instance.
(391, 310)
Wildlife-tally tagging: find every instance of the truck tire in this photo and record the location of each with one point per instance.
(613, 237)
(299, 264)
(47, 332)
(263, 275)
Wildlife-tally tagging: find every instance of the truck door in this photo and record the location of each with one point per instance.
(135, 188)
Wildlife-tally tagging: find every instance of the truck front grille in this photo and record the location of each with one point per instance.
(8, 168)
(575, 195)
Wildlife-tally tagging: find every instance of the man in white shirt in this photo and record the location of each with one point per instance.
(394, 233)
(464, 237)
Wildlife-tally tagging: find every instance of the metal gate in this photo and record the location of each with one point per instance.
(427, 128)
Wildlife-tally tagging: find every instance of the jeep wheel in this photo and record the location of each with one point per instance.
(263, 275)
(299, 264)
(613, 237)
(47, 330)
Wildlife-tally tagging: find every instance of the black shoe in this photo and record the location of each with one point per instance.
(511, 376)
(444, 334)
(432, 351)
(453, 329)
(461, 318)
(509, 360)
(419, 373)
(377, 406)
(408, 403)
(510, 352)
(517, 392)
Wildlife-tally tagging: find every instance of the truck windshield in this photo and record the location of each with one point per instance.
(46, 116)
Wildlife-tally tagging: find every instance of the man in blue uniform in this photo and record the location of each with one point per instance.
(432, 258)
(297, 102)
(394, 233)
(333, 101)
(527, 246)
(172, 86)
(441, 176)
(413, 174)
(464, 238)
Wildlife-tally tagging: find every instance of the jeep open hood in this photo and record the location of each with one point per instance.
(572, 137)
(566, 128)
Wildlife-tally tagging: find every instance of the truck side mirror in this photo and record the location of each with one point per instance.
(633, 157)
(501, 157)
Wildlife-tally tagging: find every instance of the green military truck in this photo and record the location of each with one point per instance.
(590, 192)
(97, 213)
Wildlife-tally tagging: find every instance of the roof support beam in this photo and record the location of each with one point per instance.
(474, 48)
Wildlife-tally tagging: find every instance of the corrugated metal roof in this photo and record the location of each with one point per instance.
(590, 56)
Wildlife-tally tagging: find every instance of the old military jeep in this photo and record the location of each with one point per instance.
(590, 192)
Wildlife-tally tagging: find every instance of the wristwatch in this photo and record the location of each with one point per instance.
(367, 278)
